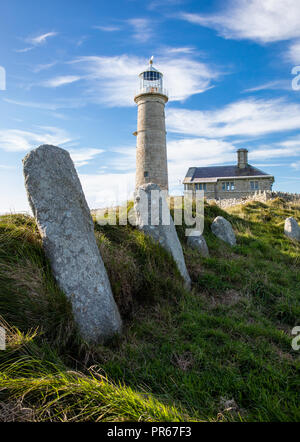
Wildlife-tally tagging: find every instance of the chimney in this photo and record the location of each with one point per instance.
(242, 158)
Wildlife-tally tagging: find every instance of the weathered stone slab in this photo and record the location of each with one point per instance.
(66, 227)
(292, 229)
(160, 225)
(223, 230)
(198, 243)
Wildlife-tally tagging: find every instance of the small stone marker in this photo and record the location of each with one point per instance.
(150, 200)
(223, 230)
(67, 230)
(292, 229)
(198, 243)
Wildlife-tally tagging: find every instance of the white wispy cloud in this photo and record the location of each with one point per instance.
(293, 54)
(60, 80)
(114, 80)
(81, 157)
(36, 41)
(249, 117)
(111, 28)
(16, 140)
(180, 50)
(6, 167)
(261, 21)
(107, 189)
(142, 28)
(43, 67)
(271, 85)
(296, 165)
(23, 50)
(58, 104)
(41, 39)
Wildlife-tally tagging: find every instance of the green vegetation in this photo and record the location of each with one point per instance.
(220, 352)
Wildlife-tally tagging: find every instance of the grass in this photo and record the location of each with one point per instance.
(221, 352)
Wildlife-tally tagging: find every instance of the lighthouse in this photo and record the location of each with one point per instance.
(151, 150)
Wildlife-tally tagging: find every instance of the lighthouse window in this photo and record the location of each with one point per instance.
(145, 174)
(151, 75)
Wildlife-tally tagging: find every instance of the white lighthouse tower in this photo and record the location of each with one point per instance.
(151, 150)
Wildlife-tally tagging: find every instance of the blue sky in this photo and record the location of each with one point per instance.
(72, 72)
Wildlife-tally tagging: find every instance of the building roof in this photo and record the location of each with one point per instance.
(211, 174)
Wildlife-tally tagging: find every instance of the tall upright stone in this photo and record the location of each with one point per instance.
(66, 227)
(292, 229)
(151, 150)
(154, 219)
(223, 230)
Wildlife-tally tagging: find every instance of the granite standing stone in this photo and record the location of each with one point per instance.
(164, 233)
(223, 230)
(66, 227)
(292, 229)
(198, 243)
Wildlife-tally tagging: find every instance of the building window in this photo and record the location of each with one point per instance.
(254, 185)
(200, 186)
(145, 174)
(228, 186)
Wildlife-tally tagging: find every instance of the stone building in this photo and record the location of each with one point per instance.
(224, 182)
(151, 150)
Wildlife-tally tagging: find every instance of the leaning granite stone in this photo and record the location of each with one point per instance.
(292, 229)
(66, 227)
(223, 230)
(198, 242)
(150, 200)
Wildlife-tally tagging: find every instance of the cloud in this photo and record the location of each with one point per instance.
(103, 190)
(296, 165)
(261, 21)
(114, 80)
(58, 104)
(293, 54)
(190, 152)
(180, 50)
(283, 149)
(246, 117)
(41, 39)
(16, 140)
(6, 167)
(108, 28)
(142, 29)
(61, 81)
(43, 67)
(272, 85)
(24, 49)
(36, 41)
(81, 157)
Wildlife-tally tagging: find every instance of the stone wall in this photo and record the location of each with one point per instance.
(261, 196)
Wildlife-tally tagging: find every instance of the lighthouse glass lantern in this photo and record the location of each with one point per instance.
(151, 80)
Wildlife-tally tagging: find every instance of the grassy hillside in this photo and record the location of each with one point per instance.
(220, 352)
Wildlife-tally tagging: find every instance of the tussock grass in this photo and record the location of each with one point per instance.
(220, 352)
